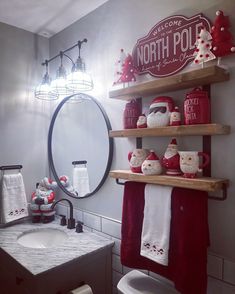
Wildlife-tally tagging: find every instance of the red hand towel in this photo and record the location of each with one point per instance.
(188, 241)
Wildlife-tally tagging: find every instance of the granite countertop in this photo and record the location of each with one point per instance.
(38, 260)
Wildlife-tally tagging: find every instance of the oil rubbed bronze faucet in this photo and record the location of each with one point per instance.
(71, 220)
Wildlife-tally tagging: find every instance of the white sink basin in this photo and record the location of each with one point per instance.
(42, 238)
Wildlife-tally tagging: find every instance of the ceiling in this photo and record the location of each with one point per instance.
(45, 17)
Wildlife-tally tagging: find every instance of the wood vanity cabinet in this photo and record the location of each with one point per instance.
(93, 269)
(200, 77)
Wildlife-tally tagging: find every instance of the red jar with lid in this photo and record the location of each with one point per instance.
(131, 114)
(197, 107)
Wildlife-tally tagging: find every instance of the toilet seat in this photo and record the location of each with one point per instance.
(136, 282)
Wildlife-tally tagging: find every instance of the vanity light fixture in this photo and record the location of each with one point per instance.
(43, 91)
(78, 81)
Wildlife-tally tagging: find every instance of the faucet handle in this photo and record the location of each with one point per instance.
(63, 220)
(79, 228)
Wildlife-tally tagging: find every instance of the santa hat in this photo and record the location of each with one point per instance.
(64, 181)
(176, 109)
(173, 142)
(152, 156)
(163, 99)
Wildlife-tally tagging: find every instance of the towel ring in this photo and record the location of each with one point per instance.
(10, 167)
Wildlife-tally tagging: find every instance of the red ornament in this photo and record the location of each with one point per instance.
(197, 107)
(131, 114)
(222, 41)
(171, 159)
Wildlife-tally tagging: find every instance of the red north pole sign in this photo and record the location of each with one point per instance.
(169, 46)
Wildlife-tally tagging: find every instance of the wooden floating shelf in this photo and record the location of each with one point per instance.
(202, 184)
(203, 76)
(183, 130)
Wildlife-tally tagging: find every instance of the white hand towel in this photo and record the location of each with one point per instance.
(81, 181)
(156, 223)
(13, 198)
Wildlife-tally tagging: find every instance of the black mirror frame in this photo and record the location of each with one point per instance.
(49, 145)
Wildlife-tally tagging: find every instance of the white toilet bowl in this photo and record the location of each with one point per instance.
(136, 282)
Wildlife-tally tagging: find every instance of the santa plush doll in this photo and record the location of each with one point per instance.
(159, 112)
(151, 165)
(42, 200)
(171, 159)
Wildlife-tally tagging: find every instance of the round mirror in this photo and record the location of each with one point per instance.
(80, 150)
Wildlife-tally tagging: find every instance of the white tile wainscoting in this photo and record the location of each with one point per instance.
(221, 272)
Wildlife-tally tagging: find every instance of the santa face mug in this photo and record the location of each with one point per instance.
(189, 163)
(136, 158)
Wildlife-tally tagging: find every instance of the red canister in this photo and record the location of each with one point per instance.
(131, 114)
(197, 107)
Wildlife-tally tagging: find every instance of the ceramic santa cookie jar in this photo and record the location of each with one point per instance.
(171, 159)
(159, 112)
(136, 158)
(142, 121)
(151, 165)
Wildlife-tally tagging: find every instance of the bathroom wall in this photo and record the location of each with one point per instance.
(23, 119)
(116, 25)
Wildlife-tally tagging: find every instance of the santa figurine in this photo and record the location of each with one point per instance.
(136, 158)
(42, 200)
(159, 112)
(171, 159)
(142, 122)
(64, 180)
(175, 117)
(151, 165)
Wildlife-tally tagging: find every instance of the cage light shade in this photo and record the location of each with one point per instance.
(44, 92)
(79, 81)
(59, 86)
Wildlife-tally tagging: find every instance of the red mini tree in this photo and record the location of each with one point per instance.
(222, 40)
(119, 67)
(128, 73)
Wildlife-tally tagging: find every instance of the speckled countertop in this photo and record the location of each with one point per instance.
(36, 261)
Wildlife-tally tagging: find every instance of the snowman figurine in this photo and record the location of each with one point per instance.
(151, 165)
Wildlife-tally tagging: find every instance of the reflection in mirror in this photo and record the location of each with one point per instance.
(79, 147)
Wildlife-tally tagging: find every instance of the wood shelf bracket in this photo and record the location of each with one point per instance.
(224, 194)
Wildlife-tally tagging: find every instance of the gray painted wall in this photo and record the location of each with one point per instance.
(116, 25)
(23, 119)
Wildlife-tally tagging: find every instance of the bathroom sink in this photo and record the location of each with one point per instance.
(42, 238)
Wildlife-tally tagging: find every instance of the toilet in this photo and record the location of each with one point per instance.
(136, 282)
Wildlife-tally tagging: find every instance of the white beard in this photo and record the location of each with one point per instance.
(151, 167)
(158, 119)
(170, 152)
